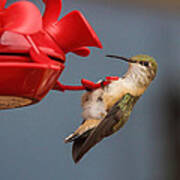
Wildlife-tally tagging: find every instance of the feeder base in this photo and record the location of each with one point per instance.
(9, 102)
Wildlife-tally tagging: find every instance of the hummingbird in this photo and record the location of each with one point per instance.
(107, 109)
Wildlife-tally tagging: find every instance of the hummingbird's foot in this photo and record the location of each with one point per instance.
(108, 80)
(89, 85)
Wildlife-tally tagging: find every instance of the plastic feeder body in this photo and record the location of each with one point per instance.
(33, 49)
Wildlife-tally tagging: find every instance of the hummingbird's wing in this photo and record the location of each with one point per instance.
(113, 121)
(105, 128)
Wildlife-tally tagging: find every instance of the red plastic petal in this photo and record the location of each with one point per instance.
(40, 57)
(15, 40)
(52, 11)
(73, 32)
(22, 17)
(2, 4)
(83, 51)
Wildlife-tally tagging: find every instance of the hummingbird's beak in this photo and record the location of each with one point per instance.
(122, 58)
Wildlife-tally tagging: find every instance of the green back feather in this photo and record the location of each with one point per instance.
(122, 110)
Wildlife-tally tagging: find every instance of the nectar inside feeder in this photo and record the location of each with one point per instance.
(33, 50)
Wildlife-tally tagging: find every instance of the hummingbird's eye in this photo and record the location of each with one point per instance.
(141, 62)
(146, 64)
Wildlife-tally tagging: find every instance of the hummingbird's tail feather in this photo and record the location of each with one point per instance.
(80, 147)
(77, 135)
(78, 141)
(83, 130)
(71, 138)
(77, 144)
(80, 135)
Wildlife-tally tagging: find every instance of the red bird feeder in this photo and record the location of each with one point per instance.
(33, 49)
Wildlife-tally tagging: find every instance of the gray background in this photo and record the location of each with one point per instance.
(147, 148)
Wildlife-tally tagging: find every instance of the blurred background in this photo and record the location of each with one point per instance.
(148, 147)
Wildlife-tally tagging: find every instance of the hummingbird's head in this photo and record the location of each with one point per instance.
(141, 63)
(148, 62)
